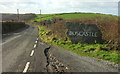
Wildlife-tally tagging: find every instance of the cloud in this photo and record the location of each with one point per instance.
(59, 6)
(60, 0)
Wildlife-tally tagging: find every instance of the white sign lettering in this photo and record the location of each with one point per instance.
(81, 33)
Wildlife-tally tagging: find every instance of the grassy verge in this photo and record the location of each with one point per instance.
(101, 51)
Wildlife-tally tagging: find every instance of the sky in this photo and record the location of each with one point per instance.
(59, 6)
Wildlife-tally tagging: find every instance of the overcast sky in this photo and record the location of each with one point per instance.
(59, 6)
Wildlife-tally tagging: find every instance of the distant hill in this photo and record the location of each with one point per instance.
(26, 17)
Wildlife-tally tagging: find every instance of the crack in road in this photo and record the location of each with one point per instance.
(47, 56)
(53, 64)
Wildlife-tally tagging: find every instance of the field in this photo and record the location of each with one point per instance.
(56, 33)
(14, 17)
(72, 16)
(11, 22)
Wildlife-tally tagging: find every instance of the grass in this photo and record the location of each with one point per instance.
(72, 16)
(84, 15)
(43, 17)
(91, 50)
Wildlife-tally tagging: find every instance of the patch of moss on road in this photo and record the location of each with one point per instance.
(101, 51)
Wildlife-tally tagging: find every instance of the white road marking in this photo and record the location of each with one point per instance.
(36, 42)
(16, 33)
(26, 67)
(37, 38)
(35, 46)
(32, 53)
(10, 39)
(67, 68)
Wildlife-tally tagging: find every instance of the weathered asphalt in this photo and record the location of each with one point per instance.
(77, 63)
(17, 49)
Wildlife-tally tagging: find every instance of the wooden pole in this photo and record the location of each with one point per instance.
(40, 13)
(18, 13)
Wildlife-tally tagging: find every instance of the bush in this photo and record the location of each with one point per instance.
(11, 26)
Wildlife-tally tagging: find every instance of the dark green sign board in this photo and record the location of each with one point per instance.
(83, 33)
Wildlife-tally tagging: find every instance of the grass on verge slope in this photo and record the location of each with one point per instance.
(92, 50)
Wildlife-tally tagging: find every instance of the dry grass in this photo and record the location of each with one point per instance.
(108, 27)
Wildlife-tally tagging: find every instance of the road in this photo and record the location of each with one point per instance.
(24, 51)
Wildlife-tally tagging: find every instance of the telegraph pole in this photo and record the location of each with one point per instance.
(40, 13)
(18, 14)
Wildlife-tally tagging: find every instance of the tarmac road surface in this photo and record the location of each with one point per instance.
(24, 51)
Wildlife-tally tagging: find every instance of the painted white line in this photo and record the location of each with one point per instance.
(36, 42)
(32, 53)
(16, 33)
(10, 39)
(37, 38)
(35, 46)
(26, 67)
